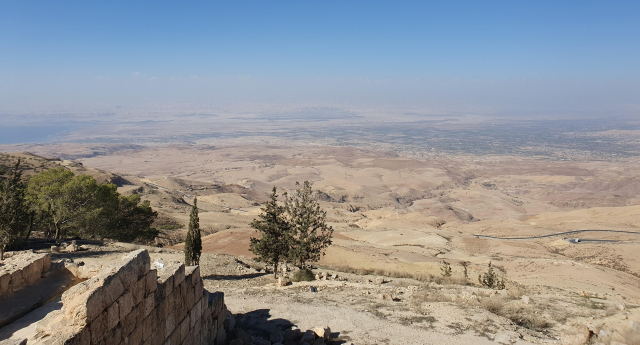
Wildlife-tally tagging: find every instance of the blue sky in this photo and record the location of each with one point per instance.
(498, 56)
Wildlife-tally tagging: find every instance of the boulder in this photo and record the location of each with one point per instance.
(323, 332)
(282, 282)
(229, 323)
(309, 337)
(276, 337)
(293, 334)
(577, 335)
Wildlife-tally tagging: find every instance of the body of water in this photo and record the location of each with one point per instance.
(31, 134)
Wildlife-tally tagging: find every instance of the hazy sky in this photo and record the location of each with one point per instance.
(485, 56)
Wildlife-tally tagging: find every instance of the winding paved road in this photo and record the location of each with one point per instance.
(558, 234)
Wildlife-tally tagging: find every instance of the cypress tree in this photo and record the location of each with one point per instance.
(193, 243)
(311, 234)
(273, 245)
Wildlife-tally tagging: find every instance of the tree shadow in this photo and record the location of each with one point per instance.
(233, 276)
(258, 323)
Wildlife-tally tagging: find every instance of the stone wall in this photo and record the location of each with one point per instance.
(132, 304)
(22, 269)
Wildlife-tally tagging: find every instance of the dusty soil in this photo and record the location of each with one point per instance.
(374, 309)
(401, 217)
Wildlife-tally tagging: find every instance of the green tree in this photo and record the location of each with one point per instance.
(274, 243)
(13, 209)
(72, 205)
(69, 205)
(311, 234)
(131, 221)
(193, 243)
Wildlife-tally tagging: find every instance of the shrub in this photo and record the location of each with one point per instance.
(445, 269)
(490, 279)
(303, 275)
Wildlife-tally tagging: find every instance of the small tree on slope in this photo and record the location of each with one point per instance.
(193, 243)
(272, 247)
(311, 234)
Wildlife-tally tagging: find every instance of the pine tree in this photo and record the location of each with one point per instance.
(311, 235)
(13, 210)
(273, 245)
(193, 243)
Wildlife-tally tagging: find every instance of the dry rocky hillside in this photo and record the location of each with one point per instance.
(396, 220)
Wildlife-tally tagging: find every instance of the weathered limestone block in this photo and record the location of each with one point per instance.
(193, 272)
(113, 336)
(149, 304)
(46, 263)
(98, 328)
(137, 264)
(85, 301)
(131, 320)
(184, 328)
(5, 279)
(17, 280)
(165, 285)
(139, 290)
(113, 315)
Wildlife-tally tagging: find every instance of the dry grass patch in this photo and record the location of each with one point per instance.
(520, 315)
(426, 278)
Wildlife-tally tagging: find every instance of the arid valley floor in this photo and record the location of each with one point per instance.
(399, 218)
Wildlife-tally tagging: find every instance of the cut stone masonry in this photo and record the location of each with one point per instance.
(22, 269)
(132, 304)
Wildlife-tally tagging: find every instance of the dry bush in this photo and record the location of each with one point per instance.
(427, 278)
(520, 315)
(303, 275)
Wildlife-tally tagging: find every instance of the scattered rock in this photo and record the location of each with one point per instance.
(276, 337)
(72, 248)
(308, 337)
(55, 249)
(260, 341)
(323, 332)
(380, 280)
(507, 337)
(386, 296)
(293, 333)
(578, 335)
